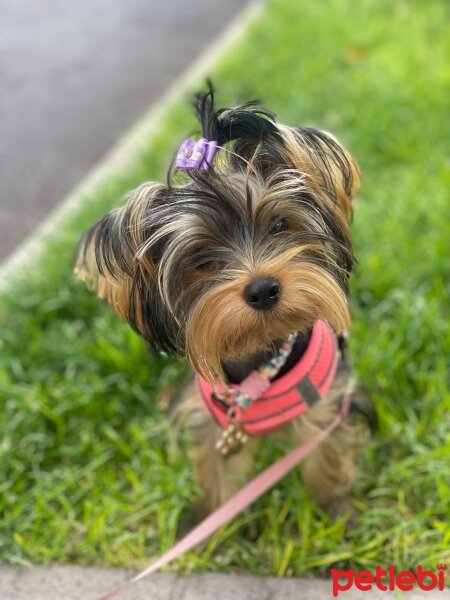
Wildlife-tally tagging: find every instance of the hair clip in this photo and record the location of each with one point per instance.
(194, 155)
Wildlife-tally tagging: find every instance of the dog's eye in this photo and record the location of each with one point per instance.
(278, 225)
(203, 259)
(205, 266)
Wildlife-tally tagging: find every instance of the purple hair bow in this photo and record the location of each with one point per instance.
(195, 155)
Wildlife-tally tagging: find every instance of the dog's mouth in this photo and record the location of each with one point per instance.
(237, 369)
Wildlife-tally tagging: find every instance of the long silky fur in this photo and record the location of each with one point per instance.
(175, 256)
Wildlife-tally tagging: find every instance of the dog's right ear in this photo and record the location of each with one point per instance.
(108, 260)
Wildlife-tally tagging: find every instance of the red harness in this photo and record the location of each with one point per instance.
(287, 397)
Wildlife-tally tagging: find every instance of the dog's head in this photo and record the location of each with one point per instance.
(236, 256)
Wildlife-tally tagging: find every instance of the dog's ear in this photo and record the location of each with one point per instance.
(112, 261)
(325, 163)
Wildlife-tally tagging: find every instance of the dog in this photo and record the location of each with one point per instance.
(240, 263)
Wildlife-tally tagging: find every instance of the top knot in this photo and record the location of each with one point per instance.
(247, 122)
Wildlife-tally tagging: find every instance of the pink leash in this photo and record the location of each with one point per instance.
(242, 499)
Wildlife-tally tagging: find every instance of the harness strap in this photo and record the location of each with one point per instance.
(278, 401)
(243, 498)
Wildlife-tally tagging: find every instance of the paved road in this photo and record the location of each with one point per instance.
(73, 77)
(76, 583)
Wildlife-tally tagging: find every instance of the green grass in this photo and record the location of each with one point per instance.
(90, 471)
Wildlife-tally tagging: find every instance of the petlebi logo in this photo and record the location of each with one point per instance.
(388, 579)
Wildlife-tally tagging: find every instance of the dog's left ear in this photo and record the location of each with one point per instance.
(325, 162)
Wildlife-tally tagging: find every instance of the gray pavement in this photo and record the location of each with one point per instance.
(73, 77)
(77, 583)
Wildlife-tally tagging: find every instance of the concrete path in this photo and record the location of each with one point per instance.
(76, 583)
(73, 77)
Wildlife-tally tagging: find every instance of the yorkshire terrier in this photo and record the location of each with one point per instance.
(240, 263)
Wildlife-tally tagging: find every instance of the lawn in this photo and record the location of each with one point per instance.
(90, 471)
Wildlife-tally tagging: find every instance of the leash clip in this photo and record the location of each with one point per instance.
(233, 437)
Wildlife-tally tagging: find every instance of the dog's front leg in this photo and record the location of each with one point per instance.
(219, 476)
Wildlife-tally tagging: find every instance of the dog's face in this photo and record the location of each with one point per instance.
(237, 258)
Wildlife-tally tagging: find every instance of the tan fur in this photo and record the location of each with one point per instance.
(301, 161)
(308, 293)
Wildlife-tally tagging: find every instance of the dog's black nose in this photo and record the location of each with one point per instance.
(263, 293)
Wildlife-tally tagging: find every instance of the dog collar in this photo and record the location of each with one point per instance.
(286, 397)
